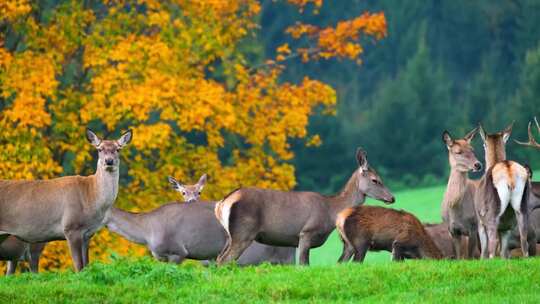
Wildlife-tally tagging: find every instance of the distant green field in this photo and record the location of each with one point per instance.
(424, 203)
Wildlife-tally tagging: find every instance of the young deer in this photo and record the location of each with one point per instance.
(292, 219)
(458, 202)
(190, 193)
(174, 232)
(14, 250)
(364, 228)
(504, 183)
(69, 207)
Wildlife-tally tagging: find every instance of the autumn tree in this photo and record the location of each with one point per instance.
(174, 72)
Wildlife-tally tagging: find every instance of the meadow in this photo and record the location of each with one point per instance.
(125, 280)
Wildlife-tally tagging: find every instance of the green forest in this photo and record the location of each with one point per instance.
(444, 65)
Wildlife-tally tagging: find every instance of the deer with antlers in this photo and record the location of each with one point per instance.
(68, 208)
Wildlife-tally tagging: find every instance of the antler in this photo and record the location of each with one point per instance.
(532, 142)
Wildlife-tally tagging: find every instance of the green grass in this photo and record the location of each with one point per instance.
(147, 281)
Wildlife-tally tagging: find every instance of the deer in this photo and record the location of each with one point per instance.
(14, 250)
(439, 234)
(177, 231)
(375, 228)
(503, 188)
(68, 208)
(295, 218)
(458, 202)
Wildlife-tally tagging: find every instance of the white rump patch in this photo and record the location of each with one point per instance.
(503, 190)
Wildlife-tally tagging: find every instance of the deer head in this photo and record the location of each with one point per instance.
(190, 193)
(108, 150)
(369, 182)
(494, 145)
(461, 153)
(532, 142)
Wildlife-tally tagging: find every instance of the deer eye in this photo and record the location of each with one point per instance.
(100, 150)
(183, 192)
(375, 181)
(459, 152)
(199, 193)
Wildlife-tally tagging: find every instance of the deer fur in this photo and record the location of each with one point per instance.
(501, 200)
(69, 207)
(14, 250)
(175, 231)
(458, 203)
(292, 219)
(364, 228)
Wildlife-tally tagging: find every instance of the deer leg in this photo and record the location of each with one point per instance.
(456, 244)
(347, 253)
(472, 244)
(493, 238)
(35, 251)
(523, 225)
(176, 258)
(482, 235)
(360, 251)
(505, 239)
(75, 242)
(304, 245)
(85, 247)
(11, 266)
(397, 253)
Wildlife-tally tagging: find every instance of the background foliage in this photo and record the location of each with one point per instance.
(190, 79)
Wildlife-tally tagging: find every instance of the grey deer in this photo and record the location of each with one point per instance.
(458, 202)
(501, 200)
(292, 219)
(68, 208)
(14, 250)
(174, 231)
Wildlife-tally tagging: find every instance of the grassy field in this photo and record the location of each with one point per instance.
(142, 281)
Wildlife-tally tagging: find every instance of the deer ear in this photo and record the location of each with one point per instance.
(175, 184)
(92, 137)
(482, 132)
(202, 181)
(469, 137)
(124, 139)
(361, 158)
(447, 139)
(507, 132)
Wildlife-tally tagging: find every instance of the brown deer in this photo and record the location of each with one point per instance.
(69, 207)
(14, 250)
(364, 228)
(439, 234)
(174, 231)
(505, 184)
(458, 202)
(190, 193)
(535, 186)
(292, 219)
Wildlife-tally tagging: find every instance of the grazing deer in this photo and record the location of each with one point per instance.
(458, 202)
(364, 228)
(174, 232)
(69, 207)
(14, 250)
(504, 183)
(292, 219)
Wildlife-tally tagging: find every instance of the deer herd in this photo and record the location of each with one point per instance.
(497, 214)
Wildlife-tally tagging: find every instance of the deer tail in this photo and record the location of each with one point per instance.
(340, 225)
(223, 209)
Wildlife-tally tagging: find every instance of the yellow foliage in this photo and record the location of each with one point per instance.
(149, 70)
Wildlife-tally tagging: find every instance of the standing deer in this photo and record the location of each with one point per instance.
(174, 232)
(364, 228)
(69, 207)
(292, 219)
(458, 202)
(14, 250)
(504, 183)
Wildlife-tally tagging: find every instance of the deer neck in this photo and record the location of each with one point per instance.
(348, 197)
(494, 153)
(106, 186)
(131, 226)
(456, 187)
